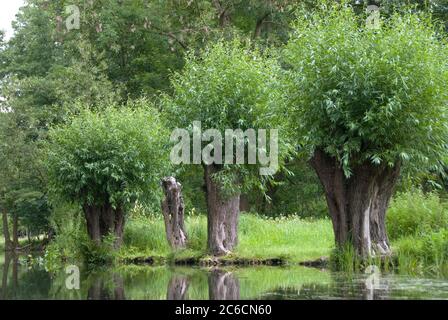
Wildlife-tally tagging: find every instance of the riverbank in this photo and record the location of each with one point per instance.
(417, 225)
(262, 240)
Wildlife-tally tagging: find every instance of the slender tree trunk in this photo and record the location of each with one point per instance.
(222, 219)
(15, 231)
(8, 242)
(358, 204)
(223, 285)
(173, 213)
(104, 220)
(177, 288)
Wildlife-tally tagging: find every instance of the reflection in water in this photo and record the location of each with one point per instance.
(21, 279)
(100, 290)
(19, 282)
(12, 284)
(177, 287)
(223, 285)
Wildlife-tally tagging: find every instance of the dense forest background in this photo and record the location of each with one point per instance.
(127, 50)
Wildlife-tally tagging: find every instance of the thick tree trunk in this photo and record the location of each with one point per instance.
(358, 204)
(177, 288)
(8, 242)
(222, 220)
(384, 188)
(223, 285)
(104, 220)
(173, 213)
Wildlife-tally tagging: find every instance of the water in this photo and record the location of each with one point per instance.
(22, 279)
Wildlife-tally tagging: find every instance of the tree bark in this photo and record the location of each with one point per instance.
(384, 189)
(8, 242)
(222, 219)
(173, 213)
(223, 285)
(104, 220)
(358, 204)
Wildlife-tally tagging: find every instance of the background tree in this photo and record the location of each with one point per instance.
(105, 161)
(364, 104)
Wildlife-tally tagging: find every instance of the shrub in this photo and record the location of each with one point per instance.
(106, 161)
(416, 213)
(424, 254)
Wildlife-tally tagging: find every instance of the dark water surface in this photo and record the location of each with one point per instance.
(24, 278)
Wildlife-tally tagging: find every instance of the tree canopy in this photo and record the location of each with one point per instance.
(364, 94)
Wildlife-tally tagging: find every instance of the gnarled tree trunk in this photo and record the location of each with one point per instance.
(104, 220)
(358, 204)
(223, 212)
(173, 213)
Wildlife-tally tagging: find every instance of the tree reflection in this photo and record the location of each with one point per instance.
(102, 289)
(223, 285)
(177, 287)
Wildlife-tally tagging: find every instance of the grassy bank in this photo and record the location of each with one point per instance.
(417, 225)
(290, 240)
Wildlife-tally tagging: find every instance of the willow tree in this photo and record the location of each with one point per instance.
(227, 87)
(105, 161)
(365, 102)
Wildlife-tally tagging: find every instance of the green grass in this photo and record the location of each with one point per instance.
(423, 254)
(291, 239)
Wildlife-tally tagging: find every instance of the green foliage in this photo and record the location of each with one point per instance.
(414, 213)
(116, 156)
(70, 233)
(427, 254)
(229, 86)
(364, 94)
(33, 210)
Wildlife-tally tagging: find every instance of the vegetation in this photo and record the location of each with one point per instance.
(291, 239)
(105, 162)
(373, 103)
(86, 116)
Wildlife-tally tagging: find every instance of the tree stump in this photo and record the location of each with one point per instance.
(173, 213)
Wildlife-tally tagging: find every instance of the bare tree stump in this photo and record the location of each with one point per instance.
(173, 213)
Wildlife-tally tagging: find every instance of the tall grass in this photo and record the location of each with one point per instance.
(415, 213)
(291, 238)
(417, 224)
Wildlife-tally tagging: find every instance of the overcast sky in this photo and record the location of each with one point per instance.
(8, 10)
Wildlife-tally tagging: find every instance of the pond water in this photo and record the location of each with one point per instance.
(25, 280)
